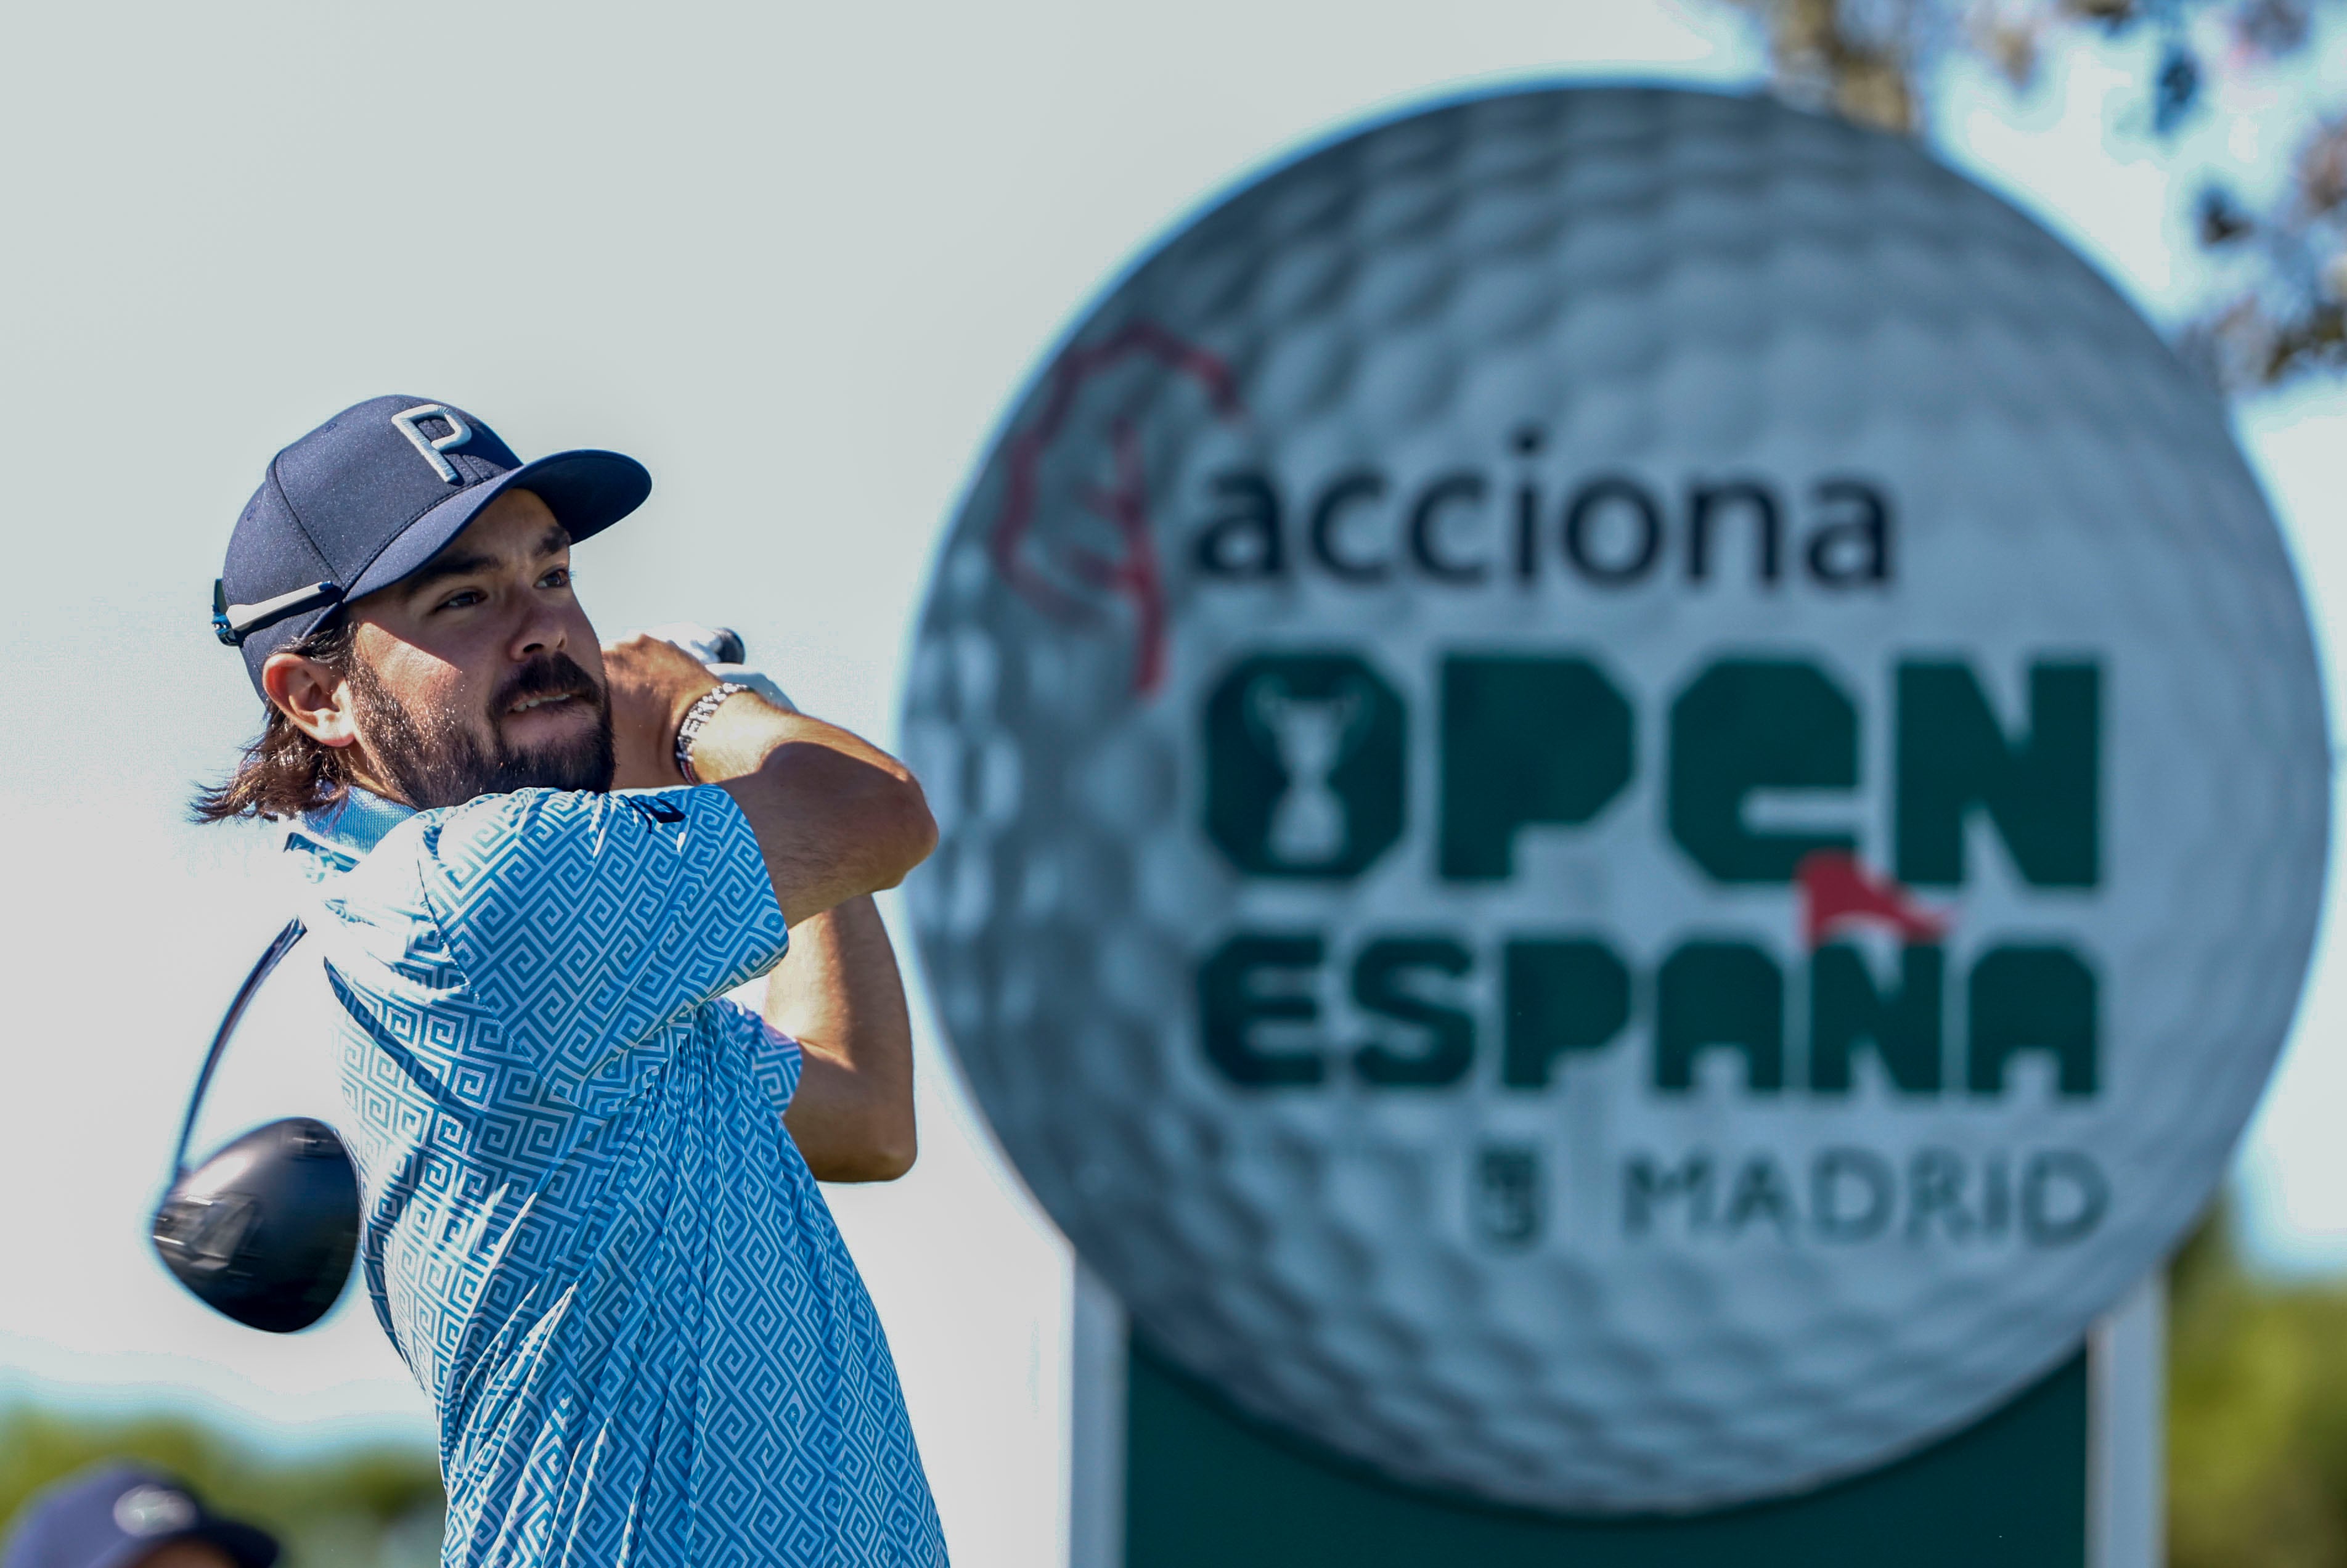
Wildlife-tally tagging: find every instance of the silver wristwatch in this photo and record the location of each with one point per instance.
(695, 717)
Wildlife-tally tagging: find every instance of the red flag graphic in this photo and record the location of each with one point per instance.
(1837, 891)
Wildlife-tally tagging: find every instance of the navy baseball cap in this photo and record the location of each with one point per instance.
(377, 492)
(115, 1514)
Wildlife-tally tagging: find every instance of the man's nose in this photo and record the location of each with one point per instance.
(541, 631)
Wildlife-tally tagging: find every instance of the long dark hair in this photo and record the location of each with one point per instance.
(283, 773)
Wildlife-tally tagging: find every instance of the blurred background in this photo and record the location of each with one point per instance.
(797, 259)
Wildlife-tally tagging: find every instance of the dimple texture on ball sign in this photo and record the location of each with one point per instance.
(1632, 794)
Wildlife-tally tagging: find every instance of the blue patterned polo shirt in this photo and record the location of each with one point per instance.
(587, 1230)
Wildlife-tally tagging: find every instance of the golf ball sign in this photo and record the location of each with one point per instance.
(1633, 794)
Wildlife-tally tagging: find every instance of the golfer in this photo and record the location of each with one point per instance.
(591, 1223)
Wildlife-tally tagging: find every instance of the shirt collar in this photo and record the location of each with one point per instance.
(339, 836)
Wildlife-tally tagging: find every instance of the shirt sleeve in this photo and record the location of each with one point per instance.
(584, 923)
(771, 1057)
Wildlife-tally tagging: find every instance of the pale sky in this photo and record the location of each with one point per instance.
(797, 259)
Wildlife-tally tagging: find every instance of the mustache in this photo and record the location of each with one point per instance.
(554, 675)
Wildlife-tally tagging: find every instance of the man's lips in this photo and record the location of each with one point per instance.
(525, 704)
(543, 702)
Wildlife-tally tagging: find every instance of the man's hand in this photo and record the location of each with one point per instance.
(651, 685)
(834, 817)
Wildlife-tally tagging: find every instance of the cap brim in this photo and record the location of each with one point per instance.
(586, 490)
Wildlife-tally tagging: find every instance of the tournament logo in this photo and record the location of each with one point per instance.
(1633, 794)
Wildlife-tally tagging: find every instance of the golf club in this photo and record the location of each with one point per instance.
(263, 1231)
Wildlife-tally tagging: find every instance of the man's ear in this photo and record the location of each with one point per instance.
(316, 699)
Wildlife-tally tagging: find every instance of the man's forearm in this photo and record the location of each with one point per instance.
(746, 729)
(836, 817)
(838, 994)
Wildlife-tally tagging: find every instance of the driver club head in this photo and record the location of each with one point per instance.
(265, 1231)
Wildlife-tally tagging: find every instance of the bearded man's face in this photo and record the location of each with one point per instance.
(480, 673)
(437, 754)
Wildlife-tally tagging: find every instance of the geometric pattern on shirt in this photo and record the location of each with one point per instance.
(586, 1229)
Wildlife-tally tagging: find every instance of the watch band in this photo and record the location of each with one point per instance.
(697, 715)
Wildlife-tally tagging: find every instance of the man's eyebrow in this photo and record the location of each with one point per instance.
(442, 568)
(556, 539)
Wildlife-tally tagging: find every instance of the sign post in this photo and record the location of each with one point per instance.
(2066, 1475)
(1633, 792)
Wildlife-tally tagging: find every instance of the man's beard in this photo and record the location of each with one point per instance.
(434, 758)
